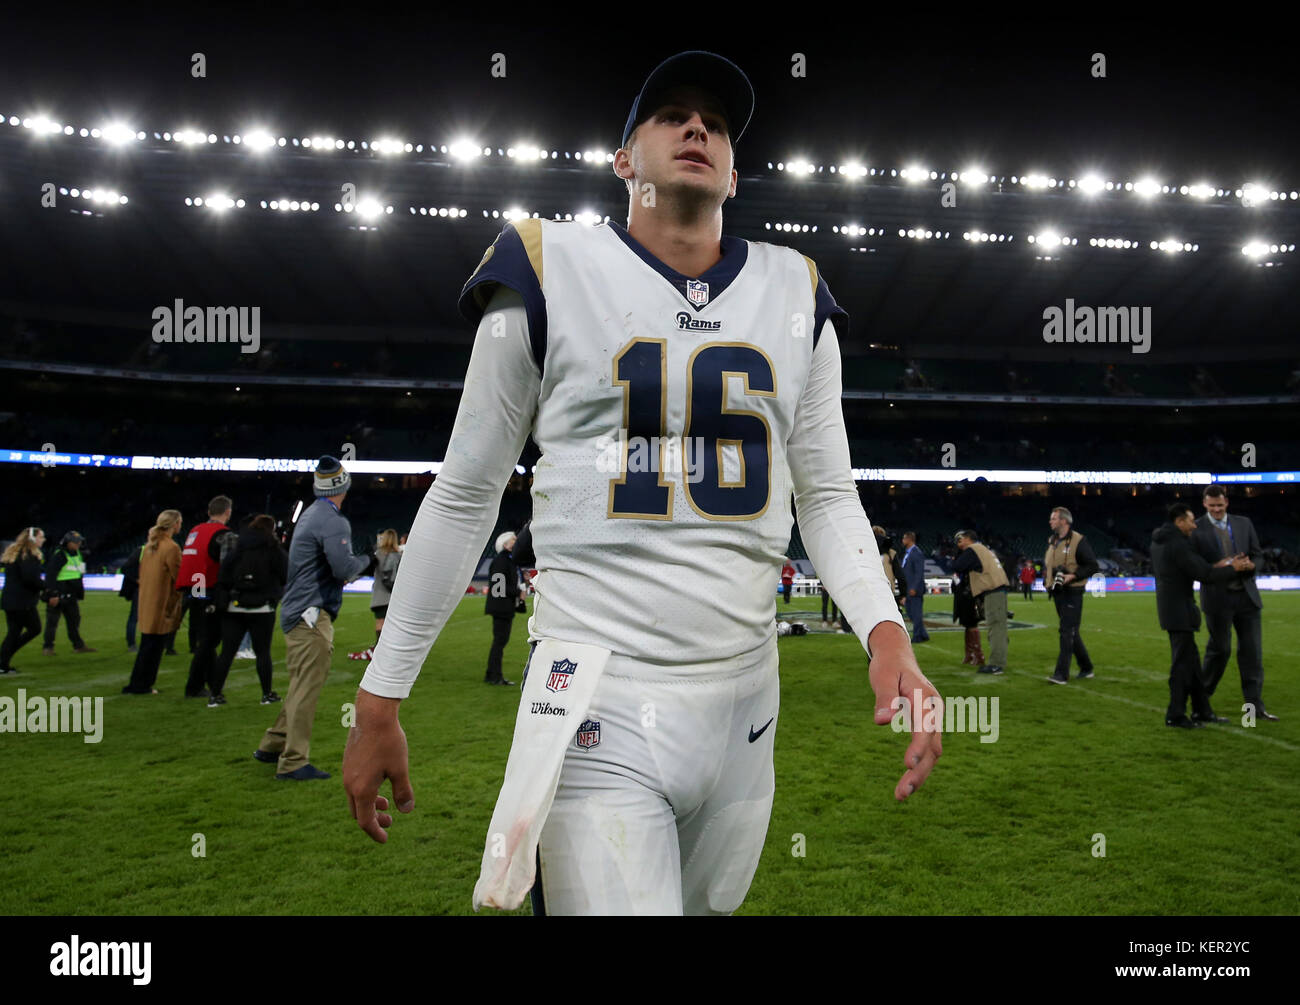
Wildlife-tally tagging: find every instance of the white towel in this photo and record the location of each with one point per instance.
(562, 678)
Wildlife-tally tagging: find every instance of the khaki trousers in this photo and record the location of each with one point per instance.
(995, 613)
(307, 653)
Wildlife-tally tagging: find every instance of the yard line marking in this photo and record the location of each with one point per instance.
(1152, 708)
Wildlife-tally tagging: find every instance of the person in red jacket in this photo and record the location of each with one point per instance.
(200, 568)
(1027, 579)
(787, 579)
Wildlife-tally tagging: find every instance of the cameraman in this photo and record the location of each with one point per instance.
(1069, 563)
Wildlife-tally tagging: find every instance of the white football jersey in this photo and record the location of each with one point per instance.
(662, 499)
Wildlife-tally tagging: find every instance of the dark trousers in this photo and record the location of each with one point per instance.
(826, 599)
(206, 628)
(23, 627)
(500, 636)
(70, 611)
(1028, 590)
(1185, 678)
(233, 626)
(787, 589)
(916, 614)
(147, 660)
(132, 619)
(1243, 616)
(1069, 608)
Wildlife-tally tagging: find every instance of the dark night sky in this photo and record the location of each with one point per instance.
(1001, 90)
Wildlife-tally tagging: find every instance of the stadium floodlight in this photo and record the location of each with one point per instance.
(117, 134)
(43, 125)
(1146, 187)
(914, 173)
(1091, 184)
(1047, 238)
(259, 140)
(1255, 249)
(387, 146)
(798, 166)
(853, 170)
(973, 176)
(1035, 180)
(526, 152)
(466, 150)
(587, 217)
(1200, 190)
(369, 208)
(1253, 194)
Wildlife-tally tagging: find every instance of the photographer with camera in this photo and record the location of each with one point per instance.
(984, 577)
(1069, 563)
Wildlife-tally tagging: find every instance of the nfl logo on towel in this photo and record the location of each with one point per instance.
(561, 671)
(697, 292)
(589, 734)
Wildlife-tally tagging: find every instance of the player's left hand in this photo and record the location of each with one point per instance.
(894, 675)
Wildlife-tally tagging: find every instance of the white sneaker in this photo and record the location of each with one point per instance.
(245, 654)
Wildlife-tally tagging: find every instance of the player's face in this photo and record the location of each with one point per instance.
(684, 147)
(1216, 506)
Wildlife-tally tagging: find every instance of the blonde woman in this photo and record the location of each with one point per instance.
(22, 563)
(388, 554)
(159, 600)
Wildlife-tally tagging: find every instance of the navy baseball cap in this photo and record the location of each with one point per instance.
(719, 76)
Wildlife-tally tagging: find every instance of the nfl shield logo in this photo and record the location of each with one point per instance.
(697, 292)
(589, 734)
(561, 671)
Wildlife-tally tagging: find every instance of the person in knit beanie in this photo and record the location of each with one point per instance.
(320, 564)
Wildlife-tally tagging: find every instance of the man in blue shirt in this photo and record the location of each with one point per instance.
(320, 563)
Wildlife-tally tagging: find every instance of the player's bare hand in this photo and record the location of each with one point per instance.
(895, 679)
(376, 750)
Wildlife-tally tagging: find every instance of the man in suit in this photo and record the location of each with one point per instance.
(505, 594)
(1234, 604)
(1176, 565)
(914, 577)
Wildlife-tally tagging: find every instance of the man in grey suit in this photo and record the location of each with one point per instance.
(1232, 605)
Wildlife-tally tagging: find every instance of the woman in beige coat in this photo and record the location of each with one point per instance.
(159, 601)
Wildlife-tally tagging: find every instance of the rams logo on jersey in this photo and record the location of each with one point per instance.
(687, 323)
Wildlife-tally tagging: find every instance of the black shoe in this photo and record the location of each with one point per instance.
(132, 649)
(270, 698)
(1267, 715)
(1185, 723)
(216, 701)
(1084, 675)
(990, 669)
(506, 683)
(170, 652)
(1058, 680)
(307, 773)
(1209, 718)
(265, 758)
(8, 670)
(205, 693)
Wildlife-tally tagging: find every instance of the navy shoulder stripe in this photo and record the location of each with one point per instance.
(514, 260)
(825, 308)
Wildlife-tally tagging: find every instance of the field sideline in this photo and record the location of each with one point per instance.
(1196, 823)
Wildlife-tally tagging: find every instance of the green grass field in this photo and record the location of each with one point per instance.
(1195, 823)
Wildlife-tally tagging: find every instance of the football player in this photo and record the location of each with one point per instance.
(682, 386)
